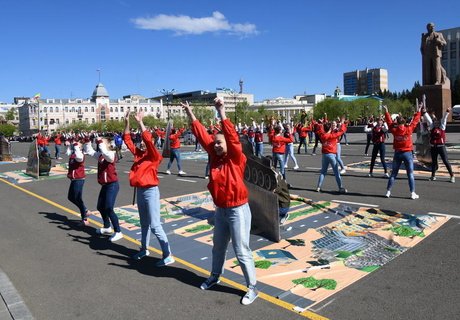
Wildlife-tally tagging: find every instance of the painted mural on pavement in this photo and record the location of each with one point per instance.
(326, 246)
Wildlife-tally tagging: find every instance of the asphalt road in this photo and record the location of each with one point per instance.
(63, 272)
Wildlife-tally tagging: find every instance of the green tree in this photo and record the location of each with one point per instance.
(7, 129)
(10, 114)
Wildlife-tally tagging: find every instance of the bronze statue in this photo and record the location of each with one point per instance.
(431, 48)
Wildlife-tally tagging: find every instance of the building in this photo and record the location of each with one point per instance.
(206, 98)
(285, 108)
(56, 113)
(451, 53)
(365, 82)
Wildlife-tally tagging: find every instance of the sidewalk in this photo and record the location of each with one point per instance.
(12, 307)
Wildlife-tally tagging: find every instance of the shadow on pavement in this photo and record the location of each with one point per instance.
(123, 254)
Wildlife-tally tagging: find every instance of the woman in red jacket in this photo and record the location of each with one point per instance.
(329, 150)
(144, 177)
(402, 144)
(174, 139)
(230, 195)
(279, 141)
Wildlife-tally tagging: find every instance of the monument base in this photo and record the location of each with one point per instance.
(438, 99)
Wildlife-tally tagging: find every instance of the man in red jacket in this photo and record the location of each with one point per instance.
(144, 177)
(230, 195)
(402, 144)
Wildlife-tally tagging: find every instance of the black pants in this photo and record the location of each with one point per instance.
(439, 150)
(368, 142)
(378, 147)
(303, 142)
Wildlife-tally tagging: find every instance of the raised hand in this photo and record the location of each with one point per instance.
(139, 116)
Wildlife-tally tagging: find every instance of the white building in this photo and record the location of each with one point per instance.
(56, 113)
(285, 108)
(5, 108)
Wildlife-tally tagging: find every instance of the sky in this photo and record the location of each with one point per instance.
(278, 48)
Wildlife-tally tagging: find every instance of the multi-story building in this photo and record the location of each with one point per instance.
(7, 107)
(451, 53)
(365, 82)
(56, 113)
(206, 98)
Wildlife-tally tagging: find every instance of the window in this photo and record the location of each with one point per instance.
(86, 109)
(66, 121)
(73, 121)
(45, 109)
(151, 109)
(116, 109)
(92, 109)
(453, 54)
(111, 109)
(57, 121)
(66, 109)
(86, 120)
(93, 120)
(73, 109)
(121, 109)
(56, 109)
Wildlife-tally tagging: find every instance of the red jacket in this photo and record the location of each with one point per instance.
(57, 139)
(175, 139)
(329, 140)
(144, 171)
(402, 134)
(76, 168)
(279, 143)
(226, 181)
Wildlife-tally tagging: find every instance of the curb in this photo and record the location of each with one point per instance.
(11, 304)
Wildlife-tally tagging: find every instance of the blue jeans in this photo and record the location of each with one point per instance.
(408, 160)
(339, 160)
(279, 157)
(148, 204)
(175, 154)
(75, 195)
(329, 158)
(259, 149)
(106, 202)
(233, 223)
(57, 148)
(289, 153)
(378, 148)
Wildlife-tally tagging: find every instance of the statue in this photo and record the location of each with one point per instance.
(431, 48)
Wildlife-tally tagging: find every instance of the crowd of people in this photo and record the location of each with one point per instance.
(225, 171)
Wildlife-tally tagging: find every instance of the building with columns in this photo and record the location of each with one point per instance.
(57, 113)
(286, 109)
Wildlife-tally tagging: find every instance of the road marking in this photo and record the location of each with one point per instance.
(186, 180)
(204, 258)
(323, 306)
(307, 314)
(358, 203)
(444, 215)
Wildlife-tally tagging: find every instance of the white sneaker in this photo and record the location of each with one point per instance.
(386, 175)
(414, 196)
(370, 175)
(452, 179)
(105, 231)
(116, 236)
(182, 173)
(343, 171)
(318, 189)
(285, 166)
(250, 296)
(388, 194)
(168, 172)
(296, 168)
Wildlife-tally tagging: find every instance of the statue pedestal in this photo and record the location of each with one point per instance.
(438, 99)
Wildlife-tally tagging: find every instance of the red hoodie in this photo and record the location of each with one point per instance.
(175, 139)
(329, 140)
(279, 143)
(144, 171)
(226, 181)
(402, 134)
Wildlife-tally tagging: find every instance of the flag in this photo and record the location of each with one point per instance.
(37, 96)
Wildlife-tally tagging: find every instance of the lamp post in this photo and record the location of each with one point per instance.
(167, 94)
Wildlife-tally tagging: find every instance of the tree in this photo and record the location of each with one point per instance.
(456, 91)
(7, 129)
(10, 114)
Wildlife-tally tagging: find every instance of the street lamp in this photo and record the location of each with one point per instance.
(167, 94)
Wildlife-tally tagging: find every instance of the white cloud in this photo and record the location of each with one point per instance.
(188, 25)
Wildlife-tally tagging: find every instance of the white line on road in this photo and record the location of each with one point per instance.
(445, 215)
(186, 180)
(204, 258)
(323, 306)
(358, 203)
